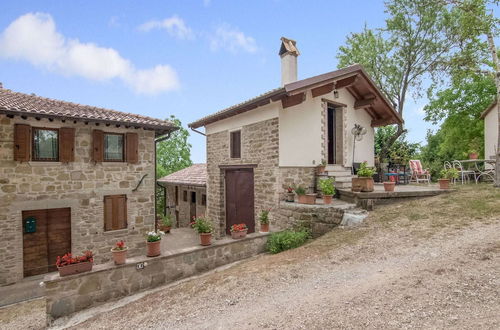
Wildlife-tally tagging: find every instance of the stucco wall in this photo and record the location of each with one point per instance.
(490, 133)
(80, 185)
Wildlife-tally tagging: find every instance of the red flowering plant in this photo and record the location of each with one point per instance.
(239, 227)
(289, 190)
(120, 246)
(69, 259)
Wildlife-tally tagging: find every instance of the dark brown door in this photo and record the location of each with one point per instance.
(331, 136)
(51, 238)
(192, 206)
(240, 198)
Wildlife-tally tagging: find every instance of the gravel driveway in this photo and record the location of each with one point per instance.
(421, 264)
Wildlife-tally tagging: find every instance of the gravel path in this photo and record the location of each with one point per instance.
(425, 264)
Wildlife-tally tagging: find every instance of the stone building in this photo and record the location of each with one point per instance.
(185, 194)
(72, 178)
(259, 147)
(490, 117)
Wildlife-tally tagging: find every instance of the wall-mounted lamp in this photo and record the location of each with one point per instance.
(335, 93)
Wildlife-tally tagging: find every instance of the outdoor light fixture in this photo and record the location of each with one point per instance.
(335, 93)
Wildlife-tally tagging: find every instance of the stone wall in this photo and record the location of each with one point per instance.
(297, 176)
(259, 146)
(184, 207)
(80, 185)
(66, 295)
(318, 218)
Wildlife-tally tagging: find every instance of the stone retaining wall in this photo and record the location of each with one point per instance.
(319, 218)
(66, 295)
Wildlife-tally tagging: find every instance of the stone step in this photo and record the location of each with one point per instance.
(335, 167)
(339, 174)
(343, 185)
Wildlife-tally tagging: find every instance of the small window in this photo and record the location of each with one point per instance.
(203, 199)
(193, 197)
(176, 195)
(45, 144)
(235, 144)
(185, 196)
(115, 212)
(113, 147)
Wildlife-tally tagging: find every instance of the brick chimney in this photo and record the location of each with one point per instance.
(288, 53)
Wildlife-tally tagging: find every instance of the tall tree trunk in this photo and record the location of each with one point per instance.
(494, 55)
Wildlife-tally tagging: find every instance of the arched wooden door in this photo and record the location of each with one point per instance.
(240, 198)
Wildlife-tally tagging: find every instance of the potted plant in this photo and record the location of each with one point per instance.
(119, 253)
(474, 146)
(290, 196)
(69, 265)
(153, 239)
(239, 231)
(204, 228)
(365, 178)
(166, 223)
(303, 197)
(321, 168)
(389, 185)
(328, 190)
(264, 220)
(447, 175)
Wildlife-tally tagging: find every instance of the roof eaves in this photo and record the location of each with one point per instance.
(488, 109)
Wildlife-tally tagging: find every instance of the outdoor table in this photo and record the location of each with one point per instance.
(481, 172)
(398, 172)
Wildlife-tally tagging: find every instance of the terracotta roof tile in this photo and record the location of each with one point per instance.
(194, 175)
(33, 105)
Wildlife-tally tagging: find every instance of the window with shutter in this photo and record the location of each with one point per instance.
(67, 144)
(115, 212)
(132, 142)
(235, 144)
(45, 144)
(97, 145)
(22, 142)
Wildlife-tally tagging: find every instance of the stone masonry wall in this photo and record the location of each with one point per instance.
(184, 208)
(66, 295)
(259, 145)
(80, 185)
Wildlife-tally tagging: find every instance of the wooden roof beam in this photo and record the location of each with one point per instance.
(327, 88)
(381, 122)
(363, 104)
(291, 100)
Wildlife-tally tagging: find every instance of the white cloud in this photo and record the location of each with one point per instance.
(232, 39)
(34, 38)
(175, 26)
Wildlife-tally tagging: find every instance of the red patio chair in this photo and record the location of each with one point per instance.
(418, 174)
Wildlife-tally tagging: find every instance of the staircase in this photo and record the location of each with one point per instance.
(341, 175)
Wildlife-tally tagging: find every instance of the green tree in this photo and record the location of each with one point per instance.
(401, 149)
(172, 155)
(411, 46)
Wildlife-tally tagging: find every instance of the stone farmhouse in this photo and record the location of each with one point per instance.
(72, 178)
(185, 194)
(257, 148)
(490, 116)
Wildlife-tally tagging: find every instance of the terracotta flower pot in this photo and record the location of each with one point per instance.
(290, 197)
(473, 155)
(239, 234)
(389, 186)
(320, 169)
(206, 239)
(327, 199)
(154, 249)
(307, 199)
(444, 183)
(75, 268)
(119, 256)
(264, 227)
(165, 229)
(365, 183)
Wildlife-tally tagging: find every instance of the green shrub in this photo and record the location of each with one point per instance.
(286, 240)
(300, 190)
(365, 171)
(327, 187)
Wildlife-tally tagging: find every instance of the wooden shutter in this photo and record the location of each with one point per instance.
(115, 212)
(235, 144)
(132, 152)
(22, 142)
(97, 145)
(66, 144)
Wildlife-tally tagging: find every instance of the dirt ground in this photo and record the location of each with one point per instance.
(427, 263)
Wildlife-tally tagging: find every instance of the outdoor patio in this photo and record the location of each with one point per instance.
(367, 200)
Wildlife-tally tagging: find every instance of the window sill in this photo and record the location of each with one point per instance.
(42, 163)
(116, 231)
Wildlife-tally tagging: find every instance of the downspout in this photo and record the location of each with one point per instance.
(159, 139)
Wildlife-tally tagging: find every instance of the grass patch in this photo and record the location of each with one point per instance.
(286, 240)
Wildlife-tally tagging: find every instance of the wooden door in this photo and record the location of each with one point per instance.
(240, 198)
(192, 206)
(51, 238)
(331, 136)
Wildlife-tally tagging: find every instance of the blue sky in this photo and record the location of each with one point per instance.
(186, 58)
